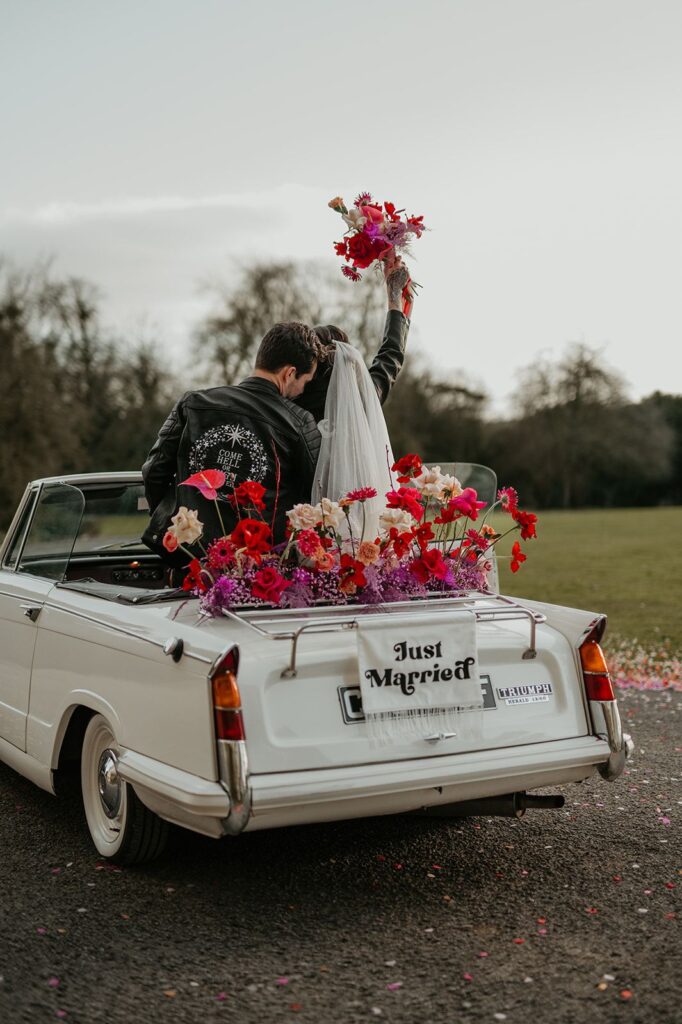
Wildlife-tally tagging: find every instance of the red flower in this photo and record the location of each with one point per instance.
(269, 585)
(351, 274)
(308, 543)
(207, 481)
(526, 521)
(447, 514)
(372, 212)
(391, 211)
(249, 493)
(517, 556)
(252, 536)
(402, 542)
(341, 247)
(431, 563)
(417, 225)
(477, 540)
(467, 503)
(364, 250)
(352, 574)
(407, 498)
(363, 199)
(408, 466)
(220, 553)
(362, 494)
(194, 579)
(423, 534)
(508, 499)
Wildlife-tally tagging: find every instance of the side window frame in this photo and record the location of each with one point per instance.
(21, 530)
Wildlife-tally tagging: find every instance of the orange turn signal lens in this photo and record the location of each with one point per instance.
(225, 691)
(592, 657)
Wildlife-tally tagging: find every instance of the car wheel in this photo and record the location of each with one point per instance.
(122, 828)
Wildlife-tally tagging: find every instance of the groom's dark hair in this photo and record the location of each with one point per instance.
(288, 344)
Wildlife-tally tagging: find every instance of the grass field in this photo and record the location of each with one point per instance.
(624, 562)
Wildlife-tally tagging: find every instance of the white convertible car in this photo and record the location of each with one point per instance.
(255, 720)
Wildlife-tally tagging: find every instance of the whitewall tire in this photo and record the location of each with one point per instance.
(122, 828)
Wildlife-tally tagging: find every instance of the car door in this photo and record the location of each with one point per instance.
(35, 557)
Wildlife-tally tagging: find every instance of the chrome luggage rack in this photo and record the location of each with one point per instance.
(334, 618)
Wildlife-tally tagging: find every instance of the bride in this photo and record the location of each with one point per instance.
(356, 449)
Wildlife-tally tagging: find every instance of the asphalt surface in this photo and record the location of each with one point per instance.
(563, 916)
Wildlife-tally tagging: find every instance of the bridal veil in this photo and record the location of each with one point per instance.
(355, 450)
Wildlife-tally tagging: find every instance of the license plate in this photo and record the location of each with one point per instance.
(350, 698)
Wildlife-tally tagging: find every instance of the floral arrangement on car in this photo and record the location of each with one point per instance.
(426, 544)
(376, 232)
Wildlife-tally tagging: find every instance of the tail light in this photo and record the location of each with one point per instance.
(595, 670)
(227, 701)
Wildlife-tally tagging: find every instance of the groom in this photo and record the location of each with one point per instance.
(253, 431)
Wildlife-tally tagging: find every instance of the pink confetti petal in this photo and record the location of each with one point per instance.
(53, 982)
(482, 954)
(664, 820)
(221, 997)
(394, 986)
(468, 977)
(41, 931)
(282, 981)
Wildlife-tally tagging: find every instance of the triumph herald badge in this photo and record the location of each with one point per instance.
(531, 693)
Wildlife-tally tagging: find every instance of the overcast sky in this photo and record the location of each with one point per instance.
(147, 146)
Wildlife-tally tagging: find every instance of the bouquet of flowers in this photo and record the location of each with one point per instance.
(427, 544)
(375, 232)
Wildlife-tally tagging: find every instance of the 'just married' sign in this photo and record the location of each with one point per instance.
(418, 674)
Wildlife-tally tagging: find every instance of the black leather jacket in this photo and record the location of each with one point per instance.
(384, 370)
(251, 433)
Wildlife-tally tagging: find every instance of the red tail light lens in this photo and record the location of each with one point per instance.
(227, 700)
(595, 672)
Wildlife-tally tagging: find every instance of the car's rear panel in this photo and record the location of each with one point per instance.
(314, 719)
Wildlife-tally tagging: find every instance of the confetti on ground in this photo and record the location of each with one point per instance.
(394, 986)
(638, 668)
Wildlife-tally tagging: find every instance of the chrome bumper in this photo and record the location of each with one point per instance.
(620, 743)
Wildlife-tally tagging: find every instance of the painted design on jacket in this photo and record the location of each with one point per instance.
(234, 449)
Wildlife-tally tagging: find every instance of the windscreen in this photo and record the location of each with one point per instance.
(114, 517)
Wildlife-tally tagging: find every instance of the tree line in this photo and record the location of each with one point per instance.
(79, 397)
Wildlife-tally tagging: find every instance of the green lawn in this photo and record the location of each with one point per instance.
(626, 562)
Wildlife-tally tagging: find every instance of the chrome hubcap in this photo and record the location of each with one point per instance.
(109, 783)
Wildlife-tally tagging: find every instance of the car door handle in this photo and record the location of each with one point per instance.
(32, 611)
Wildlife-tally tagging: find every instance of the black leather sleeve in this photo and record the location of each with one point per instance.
(389, 360)
(160, 468)
(307, 451)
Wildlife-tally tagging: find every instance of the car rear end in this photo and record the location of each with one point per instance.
(293, 746)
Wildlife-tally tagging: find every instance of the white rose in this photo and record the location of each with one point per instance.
(397, 517)
(355, 219)
(429, 481)
(450, 486)
(332, 513)
(305, 517)
(186, 526)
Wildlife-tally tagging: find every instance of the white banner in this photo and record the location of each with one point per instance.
(418, 673)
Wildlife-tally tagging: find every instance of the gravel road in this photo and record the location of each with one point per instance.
(564, 916)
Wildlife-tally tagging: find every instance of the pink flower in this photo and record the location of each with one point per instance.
(362, 494)
(467, 503)
(170, 541)
(508, 499)
(207, 482)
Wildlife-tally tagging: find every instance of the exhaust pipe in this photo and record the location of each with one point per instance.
(509, 805)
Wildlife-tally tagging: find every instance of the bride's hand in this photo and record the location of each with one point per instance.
(397, 276)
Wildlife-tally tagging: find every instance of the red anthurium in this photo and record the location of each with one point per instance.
(517, 557)
(207, 481)
(352, 574)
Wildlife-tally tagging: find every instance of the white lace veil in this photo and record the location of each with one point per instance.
(355, 450)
